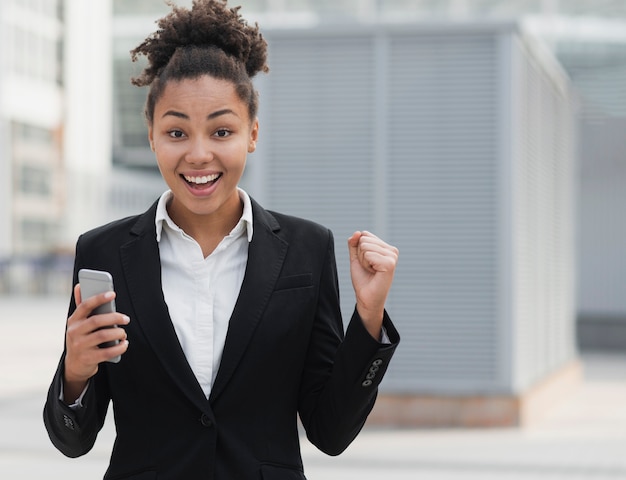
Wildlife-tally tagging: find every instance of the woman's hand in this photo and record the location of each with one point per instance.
(372, 266)
(83, 335)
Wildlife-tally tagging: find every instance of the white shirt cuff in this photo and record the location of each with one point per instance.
(78, 403)
(384, 338)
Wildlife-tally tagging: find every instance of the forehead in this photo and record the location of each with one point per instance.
(204, 95)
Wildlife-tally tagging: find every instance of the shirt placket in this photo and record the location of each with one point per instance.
(204, 323)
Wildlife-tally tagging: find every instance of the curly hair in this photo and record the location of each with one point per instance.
(208, 39)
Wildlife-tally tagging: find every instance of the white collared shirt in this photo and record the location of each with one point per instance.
(201, 292)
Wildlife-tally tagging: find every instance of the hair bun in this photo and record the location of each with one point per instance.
(207, 23)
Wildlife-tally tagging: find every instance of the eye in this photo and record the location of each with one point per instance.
(176, 134)
(222, 133)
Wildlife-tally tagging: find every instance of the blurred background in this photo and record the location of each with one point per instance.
(484, 138)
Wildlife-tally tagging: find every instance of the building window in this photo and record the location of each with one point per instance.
(35, 180)
(32, 135)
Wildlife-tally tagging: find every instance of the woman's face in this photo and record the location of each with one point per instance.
(201, 135)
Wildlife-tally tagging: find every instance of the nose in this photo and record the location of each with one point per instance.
(199, 152)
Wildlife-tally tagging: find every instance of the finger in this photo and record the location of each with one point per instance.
(375, 257)
(88, 345)
(84, 309)
(368, 238)
(107, 335)
(79, 329)
(368, 243)
(89, 332)
(116, 350)
(91, 303)
(353, 244)
(379, 263)
(91, 357)
(104, 320)
(380, 251)
(107, 353)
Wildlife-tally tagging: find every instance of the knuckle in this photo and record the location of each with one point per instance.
(105, 334)
(95, 322)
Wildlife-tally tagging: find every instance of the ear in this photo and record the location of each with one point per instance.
(151, 138)
(254, 136)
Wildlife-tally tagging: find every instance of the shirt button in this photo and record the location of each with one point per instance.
(206, 421)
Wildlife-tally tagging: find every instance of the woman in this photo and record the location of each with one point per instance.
(230, 315)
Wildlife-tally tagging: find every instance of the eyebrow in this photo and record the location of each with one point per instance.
(211, 116)
(219, 113)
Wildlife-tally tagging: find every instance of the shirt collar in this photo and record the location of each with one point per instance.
(163, 217)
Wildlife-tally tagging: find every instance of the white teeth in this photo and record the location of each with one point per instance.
(202, 180)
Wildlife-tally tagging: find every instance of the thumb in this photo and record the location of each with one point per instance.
(77, 294)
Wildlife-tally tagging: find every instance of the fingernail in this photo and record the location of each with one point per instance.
(109, 295)
(125, 318)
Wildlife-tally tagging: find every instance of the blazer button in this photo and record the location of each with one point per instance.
(206, 421)
(69, 423)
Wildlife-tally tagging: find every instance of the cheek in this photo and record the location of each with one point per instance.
(167, 168)
(166, 155)
(234, 154)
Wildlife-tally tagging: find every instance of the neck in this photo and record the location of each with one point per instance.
(210, 229)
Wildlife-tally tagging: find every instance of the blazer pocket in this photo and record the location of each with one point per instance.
(279, 472)
(294, 281)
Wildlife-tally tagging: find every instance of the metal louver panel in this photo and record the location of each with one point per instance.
(321, 144)
(542, 222)
(443, 209)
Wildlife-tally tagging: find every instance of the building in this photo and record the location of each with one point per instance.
(31, 108)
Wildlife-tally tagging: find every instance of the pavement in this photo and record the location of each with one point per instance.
(583, 437)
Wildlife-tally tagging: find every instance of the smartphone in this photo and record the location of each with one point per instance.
(94, 282)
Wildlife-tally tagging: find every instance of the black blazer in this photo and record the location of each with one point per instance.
(285, 354)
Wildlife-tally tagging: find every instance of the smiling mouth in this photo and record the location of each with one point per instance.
(202, 181)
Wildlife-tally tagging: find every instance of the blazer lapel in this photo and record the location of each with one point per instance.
(142, 269)
(266, 254)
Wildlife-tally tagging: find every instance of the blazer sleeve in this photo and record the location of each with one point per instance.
(74, 432)
(342, 372)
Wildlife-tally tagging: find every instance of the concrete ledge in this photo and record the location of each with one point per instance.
(478, 411)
